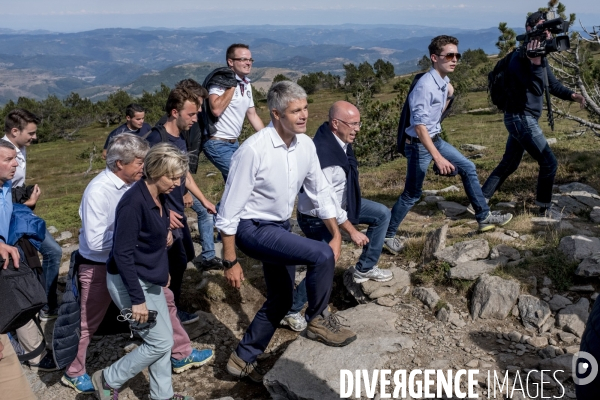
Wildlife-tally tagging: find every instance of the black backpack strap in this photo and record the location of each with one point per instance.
(38, 350)
(547, 94)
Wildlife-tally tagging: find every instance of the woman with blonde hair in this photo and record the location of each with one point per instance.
(138, 269)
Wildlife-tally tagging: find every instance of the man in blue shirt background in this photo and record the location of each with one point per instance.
(427, 101)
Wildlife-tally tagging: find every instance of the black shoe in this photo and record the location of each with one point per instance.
(46, 364)
(214, 263)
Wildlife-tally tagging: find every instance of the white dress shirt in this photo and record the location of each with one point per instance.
(19, 178)
(265, 176)
(97, 213)
(336, 177)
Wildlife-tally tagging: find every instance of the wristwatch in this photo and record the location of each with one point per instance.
(229, 264)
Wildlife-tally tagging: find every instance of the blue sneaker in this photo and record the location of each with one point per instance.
(196, 359)
(81, 384)
(186, 317)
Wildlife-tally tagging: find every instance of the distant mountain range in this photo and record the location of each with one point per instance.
(96, 63)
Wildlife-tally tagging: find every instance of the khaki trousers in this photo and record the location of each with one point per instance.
(30, 338)
(13, 383)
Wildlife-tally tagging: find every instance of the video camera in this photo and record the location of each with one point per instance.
(556, 26)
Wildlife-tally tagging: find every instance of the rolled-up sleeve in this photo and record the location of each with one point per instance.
(238, 189)
(320, 192)
(419, 105)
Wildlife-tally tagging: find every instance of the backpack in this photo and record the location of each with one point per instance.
(498, 83)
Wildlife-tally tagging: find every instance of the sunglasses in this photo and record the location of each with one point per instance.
(450, 56)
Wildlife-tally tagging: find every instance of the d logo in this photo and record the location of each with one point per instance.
(585, 368)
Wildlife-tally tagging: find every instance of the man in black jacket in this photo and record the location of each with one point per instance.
(526, 77)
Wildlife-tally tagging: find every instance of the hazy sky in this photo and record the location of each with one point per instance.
(79, 15)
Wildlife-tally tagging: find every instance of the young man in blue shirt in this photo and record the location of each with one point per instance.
(428, 100)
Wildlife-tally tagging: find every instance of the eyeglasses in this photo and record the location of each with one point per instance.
(353, 125)
(450, 56)
(243, 59)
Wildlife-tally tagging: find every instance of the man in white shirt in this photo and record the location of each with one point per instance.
(333, 141)
(124, 167)
(231, 106)
(267, 172)
(20, 129)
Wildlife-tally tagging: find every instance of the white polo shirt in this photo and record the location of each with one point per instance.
(229, 125)
(19, 179)
(97, 213)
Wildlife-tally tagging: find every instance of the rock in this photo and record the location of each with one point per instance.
(472, 364)
(595, 215)
(543, 221)
(550, 322)
(428, 296)
(387, 301)
(433, 199)
(64, 236)
(573, 317)
(589, 199)
(568, 204)
(451, 208)
(472, 147)
(493, 297)
(577, 187)
(469, 250)
(309, 370)
(557, 364)
(506, 204)
(594, 296)
(579, 247)
(375, 290)
(551, 141)
(558, 302)
(538, 341)
(500, 236)
(354, 288)
(547, 352)
(515, 336)
(471, 270)
(449, 189)
(504, 250)
(64, 268)
(567, 337)
(52, 229)
(455, 320)
(582, 288)
(589, 267)
(434, 242)
(67, 250)
(566, 226)
(442, 315)
(533, 311)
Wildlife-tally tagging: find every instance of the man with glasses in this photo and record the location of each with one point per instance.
(526, 82)
(333, 141)
(427, 101)
(231, 106)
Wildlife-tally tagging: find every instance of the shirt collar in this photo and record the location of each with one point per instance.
(244, 80)
(20, 150)
(441, 82)
(7, 185)
(342, 144)
(118, 182)
(146, 193)
(276, 139)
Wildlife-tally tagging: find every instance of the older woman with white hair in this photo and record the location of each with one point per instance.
(138, 269)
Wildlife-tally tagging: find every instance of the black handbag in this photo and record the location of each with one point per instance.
(21, 294)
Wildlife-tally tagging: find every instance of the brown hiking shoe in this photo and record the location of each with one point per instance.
(330, 331)
(242, 369)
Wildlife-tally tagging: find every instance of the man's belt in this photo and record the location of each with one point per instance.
(232, 141)
(412, 140)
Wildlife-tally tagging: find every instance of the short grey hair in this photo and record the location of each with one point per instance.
(164, 159)
(7, 145)
(282, 93)
(125, 147)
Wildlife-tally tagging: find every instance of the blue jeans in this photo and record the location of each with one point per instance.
(376, 215)
(155, 352)
(524, 134)
(52, 254)
(418, 160)
(205, 226)
(219, 153)
(280, 251)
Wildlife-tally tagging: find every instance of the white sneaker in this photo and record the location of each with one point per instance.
(295, 321)
(471, 209)
(374, 274)
(393, 245)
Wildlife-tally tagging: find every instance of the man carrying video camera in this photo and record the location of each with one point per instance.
(528, 70)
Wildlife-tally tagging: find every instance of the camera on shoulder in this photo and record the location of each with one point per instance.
(556, 26)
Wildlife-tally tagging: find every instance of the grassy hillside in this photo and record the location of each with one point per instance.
(59, 167)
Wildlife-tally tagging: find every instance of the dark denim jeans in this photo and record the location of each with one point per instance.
(376, 215)
(524, 134)
(51, 253)
(418, 159)
(219, 153)
(205, 226)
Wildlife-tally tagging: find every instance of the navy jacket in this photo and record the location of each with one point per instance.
(140, 241)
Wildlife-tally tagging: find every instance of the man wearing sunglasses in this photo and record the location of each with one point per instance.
(427, 101)
(526, 83)
(231, 106)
